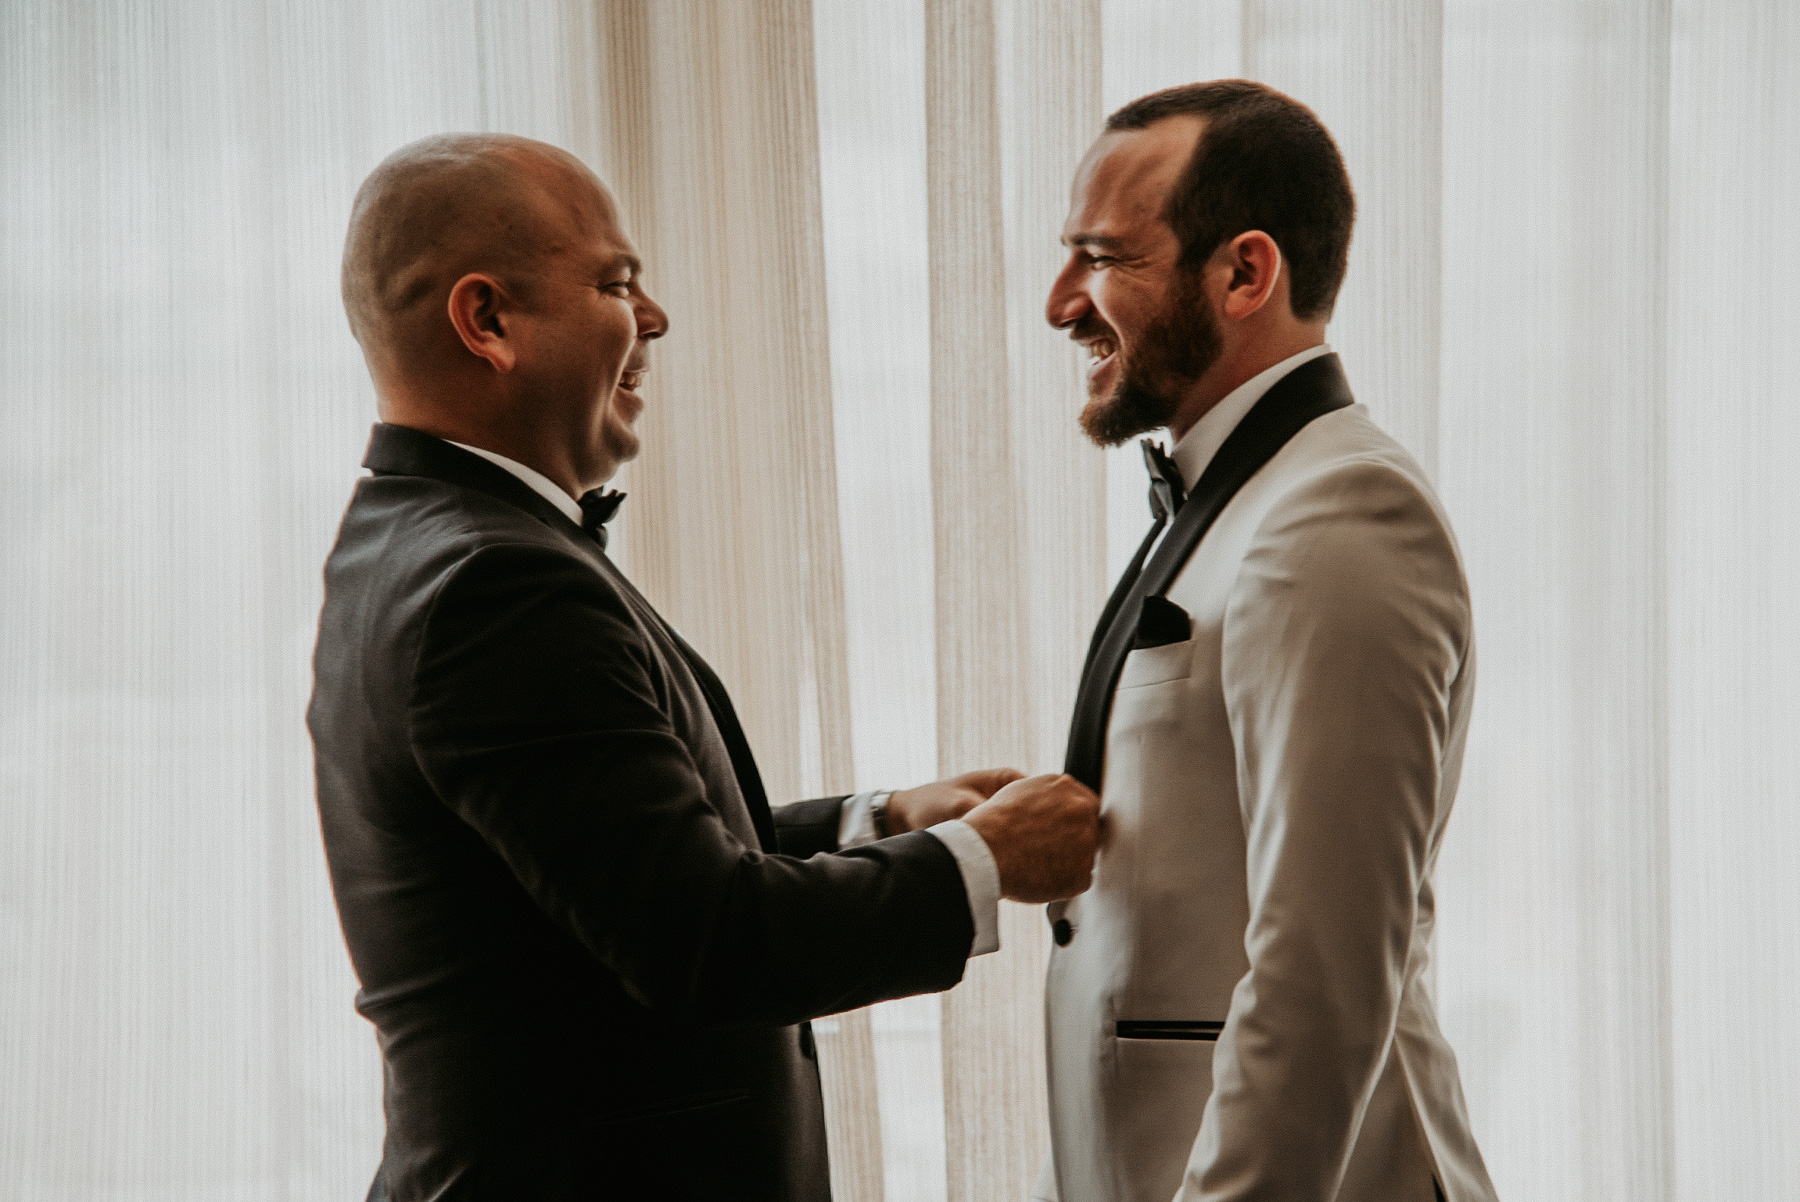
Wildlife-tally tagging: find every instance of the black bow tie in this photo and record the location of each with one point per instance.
(597, 509)
(1166, 491)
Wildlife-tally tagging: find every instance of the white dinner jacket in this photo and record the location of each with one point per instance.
(1275, 791)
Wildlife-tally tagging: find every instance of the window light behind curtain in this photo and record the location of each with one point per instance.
(864, 497)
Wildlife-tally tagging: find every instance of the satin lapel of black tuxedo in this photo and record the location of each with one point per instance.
(398, 449)
(1121, 590)
(1309, 391)
(718, 701)
(742, 761)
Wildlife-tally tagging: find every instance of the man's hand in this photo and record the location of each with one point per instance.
(940, 801)
(1042, 832)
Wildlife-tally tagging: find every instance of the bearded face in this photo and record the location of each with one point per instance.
(1156, 362)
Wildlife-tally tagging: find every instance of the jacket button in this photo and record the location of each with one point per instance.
(1062, 932)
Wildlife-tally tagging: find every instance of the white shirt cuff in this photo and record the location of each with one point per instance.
(856, 821)
(981, 881)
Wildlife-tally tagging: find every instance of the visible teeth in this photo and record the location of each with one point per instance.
(1099, 350)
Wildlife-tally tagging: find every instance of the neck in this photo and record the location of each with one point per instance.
(554, 468)
(520, 444)
(1235, 367)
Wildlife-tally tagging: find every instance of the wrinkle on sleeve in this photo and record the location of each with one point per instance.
(536, 718)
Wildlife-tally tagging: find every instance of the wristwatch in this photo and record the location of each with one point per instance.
(878, 812)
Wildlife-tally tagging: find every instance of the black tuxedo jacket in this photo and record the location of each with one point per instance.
(588, 948)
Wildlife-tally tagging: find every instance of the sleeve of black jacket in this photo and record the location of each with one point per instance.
(535, 717)
(807, 828)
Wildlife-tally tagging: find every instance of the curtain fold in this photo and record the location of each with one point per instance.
(978, 536)
(1012, 95)
(1553, 461)
(870, 61)
(1374, 74)
(863, 496)
(1731, 585)
(736, 539)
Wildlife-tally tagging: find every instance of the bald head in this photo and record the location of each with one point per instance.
(500, 304)
(443, 207)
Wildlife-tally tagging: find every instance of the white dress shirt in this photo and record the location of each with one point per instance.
(856, 826)
(540, 484)
(1198, 446)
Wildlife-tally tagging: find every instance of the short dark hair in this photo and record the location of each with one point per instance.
(1263, 162)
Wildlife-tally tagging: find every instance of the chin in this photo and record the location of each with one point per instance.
(1123, 414)
(618, 447)
(1097, 423)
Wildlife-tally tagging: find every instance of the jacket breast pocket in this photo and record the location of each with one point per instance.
(1154, 665)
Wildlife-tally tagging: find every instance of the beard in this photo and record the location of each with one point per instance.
(1174, 350)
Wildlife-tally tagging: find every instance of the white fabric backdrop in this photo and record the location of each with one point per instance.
(1571, 293)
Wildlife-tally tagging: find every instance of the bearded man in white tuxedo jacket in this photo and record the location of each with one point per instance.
(1274, 705)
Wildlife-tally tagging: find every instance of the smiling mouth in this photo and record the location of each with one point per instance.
(629, 380)
(1100, 353)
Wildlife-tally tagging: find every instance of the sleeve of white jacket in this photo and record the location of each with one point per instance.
(1345, 629)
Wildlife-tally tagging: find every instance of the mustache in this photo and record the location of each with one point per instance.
(1090, 328)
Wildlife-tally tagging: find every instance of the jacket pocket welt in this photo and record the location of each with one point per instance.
(1168, 1029)
(1154, 665)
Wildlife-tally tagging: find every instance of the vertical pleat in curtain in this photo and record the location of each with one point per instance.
(977, 533)
(1011, 495)
(1553, 457)
(863, 496)
(711, 139)
(1731, 582)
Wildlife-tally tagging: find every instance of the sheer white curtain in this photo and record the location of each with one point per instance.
(864, 497)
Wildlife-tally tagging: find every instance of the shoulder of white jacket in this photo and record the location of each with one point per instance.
(1348, 442)
(1347, 433)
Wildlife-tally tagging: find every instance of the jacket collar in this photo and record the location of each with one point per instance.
(1197, 448)
(404, 451)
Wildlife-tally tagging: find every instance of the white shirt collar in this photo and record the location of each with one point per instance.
(541, 484)
(1198, 446)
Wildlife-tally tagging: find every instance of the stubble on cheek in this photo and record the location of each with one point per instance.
(1175, 350)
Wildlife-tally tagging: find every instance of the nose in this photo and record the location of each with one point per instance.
(1068, 301)
(652, 322)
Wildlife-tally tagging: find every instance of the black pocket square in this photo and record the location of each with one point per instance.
(1160, 623)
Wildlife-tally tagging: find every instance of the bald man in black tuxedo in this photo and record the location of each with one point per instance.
(588, 946)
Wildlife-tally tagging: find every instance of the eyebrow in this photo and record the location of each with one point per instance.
(631, 263)
(1098, 241)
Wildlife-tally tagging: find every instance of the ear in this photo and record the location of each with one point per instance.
(1252, 267)
(481, 316)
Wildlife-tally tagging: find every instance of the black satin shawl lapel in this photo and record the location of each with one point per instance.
(718, 702)
(1311, 390)
(736, 743)
(1127, 578)
(403, 451)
